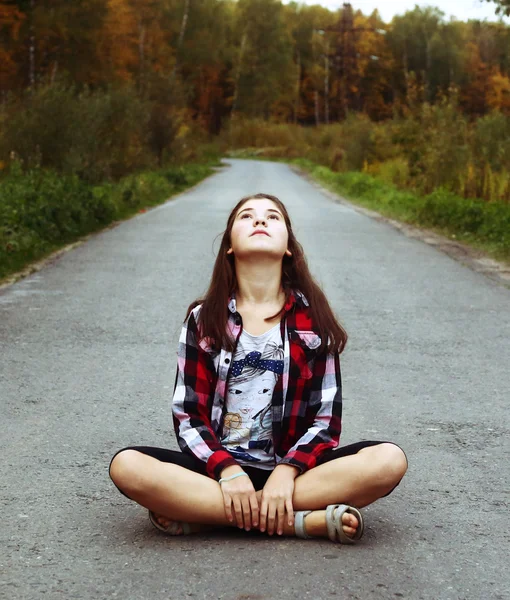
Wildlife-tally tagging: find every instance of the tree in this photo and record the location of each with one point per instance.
(503, 6)
(476, 82)
(11, 19)
(412, 39)
(267, 81)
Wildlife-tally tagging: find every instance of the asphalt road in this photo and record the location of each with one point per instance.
(88, 352)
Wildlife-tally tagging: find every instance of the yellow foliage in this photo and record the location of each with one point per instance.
(496, 185)
(498, 93)
(468, 183)
(183, 131)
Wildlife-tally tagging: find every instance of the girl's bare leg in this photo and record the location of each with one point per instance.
(182, 495)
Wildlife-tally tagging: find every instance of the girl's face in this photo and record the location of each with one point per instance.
(259, 215)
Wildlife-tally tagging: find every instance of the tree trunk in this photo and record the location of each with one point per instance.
(31, 50)
(237, 77)
(316, 98)
(406, 68)
(326, 86)
(181, 33)
(54, 71)
(298, 88)
(141, 56)
(428, 65)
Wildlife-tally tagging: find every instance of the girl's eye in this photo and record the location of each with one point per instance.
(249, 215)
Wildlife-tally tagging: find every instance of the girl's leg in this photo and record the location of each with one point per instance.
(357, 474)
(354, 479)
(183, 495)
(168, 489)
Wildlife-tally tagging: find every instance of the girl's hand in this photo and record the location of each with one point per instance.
(277, 499)
(240, 493)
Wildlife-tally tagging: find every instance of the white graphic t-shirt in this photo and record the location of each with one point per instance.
(247, 429)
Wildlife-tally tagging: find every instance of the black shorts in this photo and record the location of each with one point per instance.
(257, 476)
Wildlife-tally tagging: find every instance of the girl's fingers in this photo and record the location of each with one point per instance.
(239, 512)
(263, 516)
(271, 517)
(290, 511)
(254, 510)
(281, 517)
(247, 513)
(227, 500)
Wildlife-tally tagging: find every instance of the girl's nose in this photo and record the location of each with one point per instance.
(262, 221)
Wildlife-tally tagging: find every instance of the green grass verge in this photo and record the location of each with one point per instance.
(483, 225)
(42, 211)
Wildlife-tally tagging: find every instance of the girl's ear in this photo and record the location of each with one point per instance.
(230, 251)
(288, 252)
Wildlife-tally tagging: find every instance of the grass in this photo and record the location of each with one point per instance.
(43, 211)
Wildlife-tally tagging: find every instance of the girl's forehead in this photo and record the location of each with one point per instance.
(259, 204)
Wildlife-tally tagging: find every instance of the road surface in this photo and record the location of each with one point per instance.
(88, 351)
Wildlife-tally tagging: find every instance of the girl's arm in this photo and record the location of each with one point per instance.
(326, 403)
(195, 383)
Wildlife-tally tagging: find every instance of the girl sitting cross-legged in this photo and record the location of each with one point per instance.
(257, 402)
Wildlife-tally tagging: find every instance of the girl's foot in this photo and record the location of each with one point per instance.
(315, 524)
(175, 527)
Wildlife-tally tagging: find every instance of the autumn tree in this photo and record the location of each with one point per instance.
(475, 82)
(205, 61)
(502, 6)
(412, 38)
(11, 20)
(267, 70)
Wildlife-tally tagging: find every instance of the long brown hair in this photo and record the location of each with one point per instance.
(213, 314)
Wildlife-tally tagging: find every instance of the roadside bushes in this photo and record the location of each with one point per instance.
(74, 160)
(471, 219)
(41, 210)
(490, 221)
(434, 146)
(100, 135)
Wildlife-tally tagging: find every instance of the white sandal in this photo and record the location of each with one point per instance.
(299, 524)
(172, 528)
(334, 513)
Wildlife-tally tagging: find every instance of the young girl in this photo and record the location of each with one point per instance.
(257, 402)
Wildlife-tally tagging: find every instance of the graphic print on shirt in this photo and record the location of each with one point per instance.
(247, 427)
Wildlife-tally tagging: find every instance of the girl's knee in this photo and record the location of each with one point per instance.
(122, 466)
(394, 460)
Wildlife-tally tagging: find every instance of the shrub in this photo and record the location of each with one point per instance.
(99, 135)
(491, 142)
(394, 171)
(43, 209)
(357, 141)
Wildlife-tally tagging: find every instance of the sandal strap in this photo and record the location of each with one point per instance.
(299, 524)
(334, 513)
(173, 526)
(330, 522)
(186, 528)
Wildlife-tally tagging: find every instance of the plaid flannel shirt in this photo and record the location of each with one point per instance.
(306, 402)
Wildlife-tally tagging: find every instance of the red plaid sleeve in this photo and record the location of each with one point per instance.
(195, 384)
(325, 403)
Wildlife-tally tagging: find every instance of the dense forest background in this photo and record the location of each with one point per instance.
(259, 58)
(97, 91)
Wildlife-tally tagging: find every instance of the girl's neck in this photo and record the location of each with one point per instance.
(259, 295)
(259, 285)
